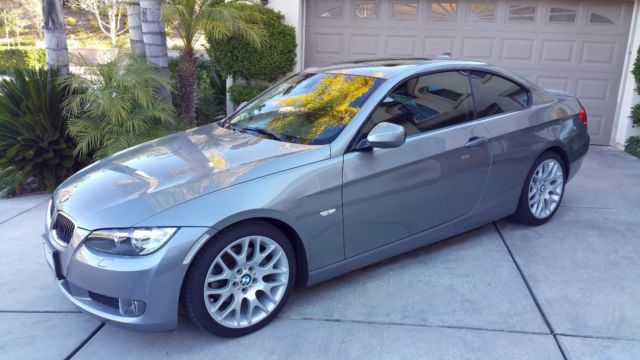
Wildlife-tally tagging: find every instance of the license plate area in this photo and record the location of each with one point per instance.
(53, 259)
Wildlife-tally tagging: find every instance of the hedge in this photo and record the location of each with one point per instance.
(239, 93)
(632, 145)
(21, 58)
(236, 57)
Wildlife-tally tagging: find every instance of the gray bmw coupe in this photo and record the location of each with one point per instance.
(330, 170)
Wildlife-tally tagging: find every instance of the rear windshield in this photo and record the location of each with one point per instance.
(306, 108)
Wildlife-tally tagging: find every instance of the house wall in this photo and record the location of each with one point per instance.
(293, 11)
(628, 96)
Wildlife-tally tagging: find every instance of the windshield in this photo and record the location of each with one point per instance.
(306, 108)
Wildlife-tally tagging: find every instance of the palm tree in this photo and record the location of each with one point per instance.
(192, 18)
(55, 36)
(135, 29)
(114, 106)
(155, 39)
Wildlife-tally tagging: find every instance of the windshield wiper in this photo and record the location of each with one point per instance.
(261, 131)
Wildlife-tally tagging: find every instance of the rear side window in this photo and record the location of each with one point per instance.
(496, 95)
(427, 103)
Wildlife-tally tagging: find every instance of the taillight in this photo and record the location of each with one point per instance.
(582, 115)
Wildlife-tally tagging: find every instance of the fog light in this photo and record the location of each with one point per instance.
(132, 308)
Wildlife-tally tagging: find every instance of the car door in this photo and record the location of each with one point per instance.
(504, 107)
(436, 176)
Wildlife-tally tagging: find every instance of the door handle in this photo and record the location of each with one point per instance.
(476, 141)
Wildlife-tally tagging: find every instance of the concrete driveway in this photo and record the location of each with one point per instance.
(569, 289)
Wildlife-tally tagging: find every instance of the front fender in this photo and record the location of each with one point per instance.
(307, 198)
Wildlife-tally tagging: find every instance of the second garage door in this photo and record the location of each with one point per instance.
(576, 46)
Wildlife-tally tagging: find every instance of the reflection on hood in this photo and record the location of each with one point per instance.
(139, 182)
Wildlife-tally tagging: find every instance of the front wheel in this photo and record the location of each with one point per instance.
(240, 280)
(543, 190)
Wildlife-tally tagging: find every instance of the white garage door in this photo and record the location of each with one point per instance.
(576, 46)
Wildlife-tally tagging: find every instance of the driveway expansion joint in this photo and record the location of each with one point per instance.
(530, 289)
(596, 337)
(85, 341)
(433, 326)
(23, 212)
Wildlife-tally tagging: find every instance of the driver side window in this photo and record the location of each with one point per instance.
(427, 102)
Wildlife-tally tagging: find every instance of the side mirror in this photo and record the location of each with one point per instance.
(385, 135)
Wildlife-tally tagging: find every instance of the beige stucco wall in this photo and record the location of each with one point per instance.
(293, 11)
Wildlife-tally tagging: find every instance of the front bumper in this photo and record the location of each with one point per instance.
(96, 282)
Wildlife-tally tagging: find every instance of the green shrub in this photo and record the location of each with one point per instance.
(212, 98)
(635, 111)
(71, 21)
(116, 106)
(633, 146)
(239, 93)
(635, 115)
(8, 185)
(21, 58)
(236, 56)
(633, 143)
(34, 143)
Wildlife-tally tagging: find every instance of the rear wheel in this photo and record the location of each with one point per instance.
(543, 190)
(240, 280)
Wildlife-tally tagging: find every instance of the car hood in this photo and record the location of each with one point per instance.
(134, 184)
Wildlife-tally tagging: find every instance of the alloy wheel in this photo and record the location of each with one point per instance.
(246, 281)
(545, 188)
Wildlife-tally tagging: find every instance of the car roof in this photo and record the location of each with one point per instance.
(385, 68)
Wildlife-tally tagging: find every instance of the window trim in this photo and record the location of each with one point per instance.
(523, 87)
(361, 131)
(357, 138)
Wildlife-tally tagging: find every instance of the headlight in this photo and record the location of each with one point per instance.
(136, 241)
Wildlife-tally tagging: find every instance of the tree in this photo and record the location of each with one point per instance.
(220, 19)
(32, 13)
(135, 29)
(55, 37)
(155, 39)
(108, 14)
(20, 15)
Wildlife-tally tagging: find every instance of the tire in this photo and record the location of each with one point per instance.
(240, 291)
(537, 208)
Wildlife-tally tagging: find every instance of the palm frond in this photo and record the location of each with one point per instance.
(119, 108)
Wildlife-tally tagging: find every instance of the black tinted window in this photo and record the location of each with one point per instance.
(495, 95)
(427, 102)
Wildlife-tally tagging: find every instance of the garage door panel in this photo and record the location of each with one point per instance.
(557, 52)
(403, 46)
(598, 123)
(434, 45)
(518, 50)
(569, 45)
(479, 48)
(364, 44)
(595, 91)
(329, 44)
(563, 83)
(599, 52)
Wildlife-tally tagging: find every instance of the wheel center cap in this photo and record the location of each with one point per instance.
(542, 188)
(245, 280)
